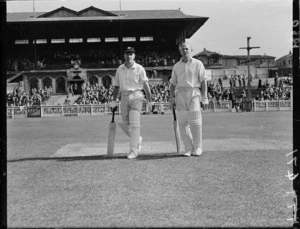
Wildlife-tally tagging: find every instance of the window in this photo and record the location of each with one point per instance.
(129, 39)
(21, 42)
(55, 41)
(146, 38)
(76, 40)
(40, 41)
(111, 39)
(284, 63)
(93, 40)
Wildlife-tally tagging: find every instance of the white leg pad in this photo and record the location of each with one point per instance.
(184, 129)
(134, 119)
(125, 127)
(195, 121)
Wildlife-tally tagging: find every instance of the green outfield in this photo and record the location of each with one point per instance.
(59, 175)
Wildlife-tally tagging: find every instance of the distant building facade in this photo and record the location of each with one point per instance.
(258, 63)
(285, 64)
(210, 58)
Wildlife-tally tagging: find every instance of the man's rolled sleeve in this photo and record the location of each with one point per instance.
(202, 73)
(143, 76)
(117, 79)
(173, 79)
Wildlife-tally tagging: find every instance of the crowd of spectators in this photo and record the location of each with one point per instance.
(154, 59)
(17, 97)
(102, 58)
(276, 91)
(98, 94)
(95, 94)
(19, 64)
(160, 92)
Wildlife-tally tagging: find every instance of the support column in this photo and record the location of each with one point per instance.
(66, 86)
(26, 84)
(53, 86)
(40, 83)
(99, 80)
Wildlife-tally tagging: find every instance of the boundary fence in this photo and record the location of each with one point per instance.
(15, 112)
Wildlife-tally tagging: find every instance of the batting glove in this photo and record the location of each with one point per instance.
(150, 105)
(204, 100)
(172, 102)
(113, 104)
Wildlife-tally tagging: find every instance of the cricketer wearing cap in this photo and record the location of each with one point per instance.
(188, 76)
(130, 79)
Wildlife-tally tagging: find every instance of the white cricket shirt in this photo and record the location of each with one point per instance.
(188, 75)
(130, 79)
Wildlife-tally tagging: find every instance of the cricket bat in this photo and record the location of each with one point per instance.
(111, 134)
(176, 130)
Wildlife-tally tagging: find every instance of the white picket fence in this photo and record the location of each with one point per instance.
(14, 112)
(273, 105)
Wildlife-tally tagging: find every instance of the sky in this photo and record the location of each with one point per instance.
(267, 22)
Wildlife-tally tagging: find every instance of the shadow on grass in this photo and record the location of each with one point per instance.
(141, 157)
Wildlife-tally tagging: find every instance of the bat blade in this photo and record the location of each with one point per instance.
(176, 131)
(111, 139)
(177, 136)
(111, 134)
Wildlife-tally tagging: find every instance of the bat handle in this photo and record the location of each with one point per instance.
(174, 113)
(113, 110)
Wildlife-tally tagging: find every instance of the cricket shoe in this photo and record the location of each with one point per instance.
(188, 153)
(139, 148)
(197, 152)
(132, 155)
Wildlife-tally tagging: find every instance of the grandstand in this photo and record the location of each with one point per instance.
(64, 47)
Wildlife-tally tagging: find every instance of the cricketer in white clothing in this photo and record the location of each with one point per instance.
(130, 80)
(188, 76)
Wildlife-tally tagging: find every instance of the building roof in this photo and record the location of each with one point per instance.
(245, 57)
(93, 14)
(103, 15)
(290, 55)
(207, 53)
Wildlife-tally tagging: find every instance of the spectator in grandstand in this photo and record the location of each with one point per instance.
(233, 81)
(259, 86)
(220, 82)
(188, 75)
(130, 80)
(240, 81)
(232, 99)
(276, 80)
(243, 94)
(230, 80)
(225, 95)
(67, 101)
(244, 80)
(71, 89)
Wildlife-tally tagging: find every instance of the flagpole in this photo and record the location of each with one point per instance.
(121, 35)
(33, 8)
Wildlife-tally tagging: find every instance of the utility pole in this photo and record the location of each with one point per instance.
(121, 31)
(33, 6)
(248, 52)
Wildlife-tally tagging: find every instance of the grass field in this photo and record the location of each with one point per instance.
(239, 181)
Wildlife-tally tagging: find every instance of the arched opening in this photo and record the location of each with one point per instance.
(47, 82)
(60, 85)
(75, 85)
(76, 78)
(93, 80)
(33, 84)
(106, 81)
